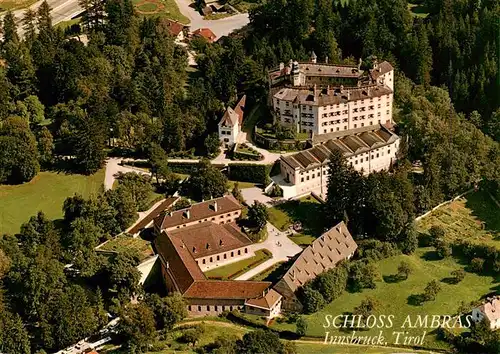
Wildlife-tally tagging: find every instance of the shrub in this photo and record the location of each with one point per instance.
(404, 270)
(477, 265)
(249, 173)
(443, 248)
(458, 275)
(431, 290)
(301, 326)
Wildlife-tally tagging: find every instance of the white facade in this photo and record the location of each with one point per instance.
(228, 133)
(321, 117)
(493, 319)
(308, 170)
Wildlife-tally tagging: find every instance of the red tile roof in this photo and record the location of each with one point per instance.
(174, 27)
(240, 108)
(267, 301)
(199, 211)
(231, 289)
(205, 33)
(208, 238)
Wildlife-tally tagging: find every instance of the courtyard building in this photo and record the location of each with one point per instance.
(221, 210)
(367, 150)
(323, 254)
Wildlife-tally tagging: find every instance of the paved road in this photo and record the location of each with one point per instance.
(281, 253)
(62, 10)
(220, 27)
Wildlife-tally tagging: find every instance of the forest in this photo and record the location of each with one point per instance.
(67, 105)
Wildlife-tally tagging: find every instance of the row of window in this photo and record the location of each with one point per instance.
(211, 259)
(212, 219)
(225, 132)
(215, 307)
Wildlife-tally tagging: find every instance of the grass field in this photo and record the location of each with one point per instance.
(46, 192)
(316, 348)
(241, 185)
(474, 217)
(6, 5)
(231, 271)
(418, 10)
(397, 297)
(161, 8)
(67, 24)
(307, 210)
(124, 243)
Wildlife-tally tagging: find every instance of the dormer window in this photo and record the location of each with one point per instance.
(194, 249)
(207, 246)
(221, 243)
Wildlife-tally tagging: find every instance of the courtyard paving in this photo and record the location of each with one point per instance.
(280, 246)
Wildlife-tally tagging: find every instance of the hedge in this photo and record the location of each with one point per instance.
(245, 172)
(187, 167)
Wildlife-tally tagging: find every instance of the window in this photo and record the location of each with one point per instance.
(312, 175)
(387, 104)
(218, 258)
(377, 155)
(356, 162)
(225, 256)
(221, 217)
(232, 254)
(208, 307)
(203, 262)
(362, 124)
(307, 178)
(355, 125)
(387, 112)
(372, 157)
(378, 114)
(246, 250)
(361, 160)
(213, 219)
(324, 130)
(389, 151)
(338, 128)
(239, 252)
(345, 127)
(235, 213)
(216, 308)
(199, 308)
(378, 106)
(302, 179)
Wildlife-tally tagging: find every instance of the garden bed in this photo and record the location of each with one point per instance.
(233, 270)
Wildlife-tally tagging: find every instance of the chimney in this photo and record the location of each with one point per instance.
(194, 249)
(187, 214)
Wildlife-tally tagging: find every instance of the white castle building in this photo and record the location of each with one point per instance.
(343, 108)
(323, 98)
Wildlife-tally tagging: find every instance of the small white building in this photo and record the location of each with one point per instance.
(231, 122)
(489, 310)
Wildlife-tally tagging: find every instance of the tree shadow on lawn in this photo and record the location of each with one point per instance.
(393, 278)
(431, 256)
(309, 213)
(416, 300)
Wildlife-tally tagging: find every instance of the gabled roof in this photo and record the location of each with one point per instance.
(323, 254)
(382, 68)
(363, 139)
(174, 27)
(231, 289)
(205, 33)
(199, 211)
(207, 238)
(230, 118)
(239, 109)
(267, 301)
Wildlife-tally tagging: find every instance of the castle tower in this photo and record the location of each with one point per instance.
(295, 74)
(314, 58)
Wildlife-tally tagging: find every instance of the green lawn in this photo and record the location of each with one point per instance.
(67, 24)
(267, 274)
(160, 8)
(123, 243)
(12, 5)
(307, 210)
(46, 192)
(397, 298)
(474, 217)
(316, 348)
(418, 10)
(241, 185)
(233, 270)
